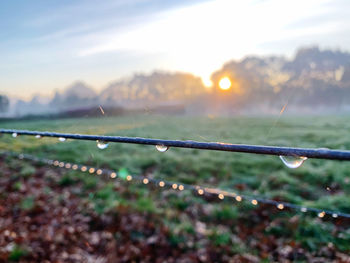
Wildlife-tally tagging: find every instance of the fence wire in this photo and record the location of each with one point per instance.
(176, 186)
(320, 153)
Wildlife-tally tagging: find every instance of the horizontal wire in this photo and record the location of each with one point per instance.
(320, 153)
(202, 191)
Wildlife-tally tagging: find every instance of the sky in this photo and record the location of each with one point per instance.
(46, 45)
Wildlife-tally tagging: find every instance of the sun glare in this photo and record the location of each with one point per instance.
(225, 83)
(207, 82)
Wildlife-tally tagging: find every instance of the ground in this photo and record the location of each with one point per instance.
(61, 215)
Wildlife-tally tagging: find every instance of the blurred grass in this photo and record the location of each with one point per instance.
(246, 173)
(265, 175)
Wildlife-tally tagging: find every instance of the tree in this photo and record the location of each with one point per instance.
(4, 103)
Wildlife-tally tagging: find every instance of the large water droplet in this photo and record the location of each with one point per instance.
(102, 145)
(162, 148)
(293, 161)
(62, 139)
(38, 136)
(14, 135)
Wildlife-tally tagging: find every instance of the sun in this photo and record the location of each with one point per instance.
(225, 83)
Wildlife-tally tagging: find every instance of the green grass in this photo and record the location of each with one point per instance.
(247, 173)
(265, 175)
(17, 253)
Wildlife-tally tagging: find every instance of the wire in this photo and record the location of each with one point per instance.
(199, 190)
(320, 153)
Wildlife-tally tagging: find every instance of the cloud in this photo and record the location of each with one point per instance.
(102, 41)
(217, 30)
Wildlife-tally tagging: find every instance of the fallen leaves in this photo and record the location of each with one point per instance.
(42, 220)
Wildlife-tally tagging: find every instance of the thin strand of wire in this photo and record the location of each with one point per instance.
(277, 120)
(320, 153)
(281, 112)
(207, 190)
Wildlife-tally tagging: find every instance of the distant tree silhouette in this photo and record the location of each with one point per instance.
(4, 103)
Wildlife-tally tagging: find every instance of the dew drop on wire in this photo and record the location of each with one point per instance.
(162, 148)
(62, 139)
(293, 161)
(14, 135)
(38, 136)
(321, 214)
(102, 145)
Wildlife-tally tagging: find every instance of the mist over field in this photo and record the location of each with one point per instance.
(188, 131)
(314, 81)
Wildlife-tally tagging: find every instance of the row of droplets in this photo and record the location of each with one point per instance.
(177, 186)
(290, 161)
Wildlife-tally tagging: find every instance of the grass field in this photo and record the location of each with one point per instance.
(317, 183)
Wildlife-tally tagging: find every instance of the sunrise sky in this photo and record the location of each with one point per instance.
(46, 45)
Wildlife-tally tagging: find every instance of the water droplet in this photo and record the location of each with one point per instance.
(145, 181)
(303, 209)
(162, 148)
(62, 139)
(321, 214)
(328, 189)
(293, 161)
(280, 206)
(14, 135)
(334, 215)
(38, 136)
(102, 145)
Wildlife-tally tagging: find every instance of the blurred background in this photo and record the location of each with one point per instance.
(262, 72)
(166, 56)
